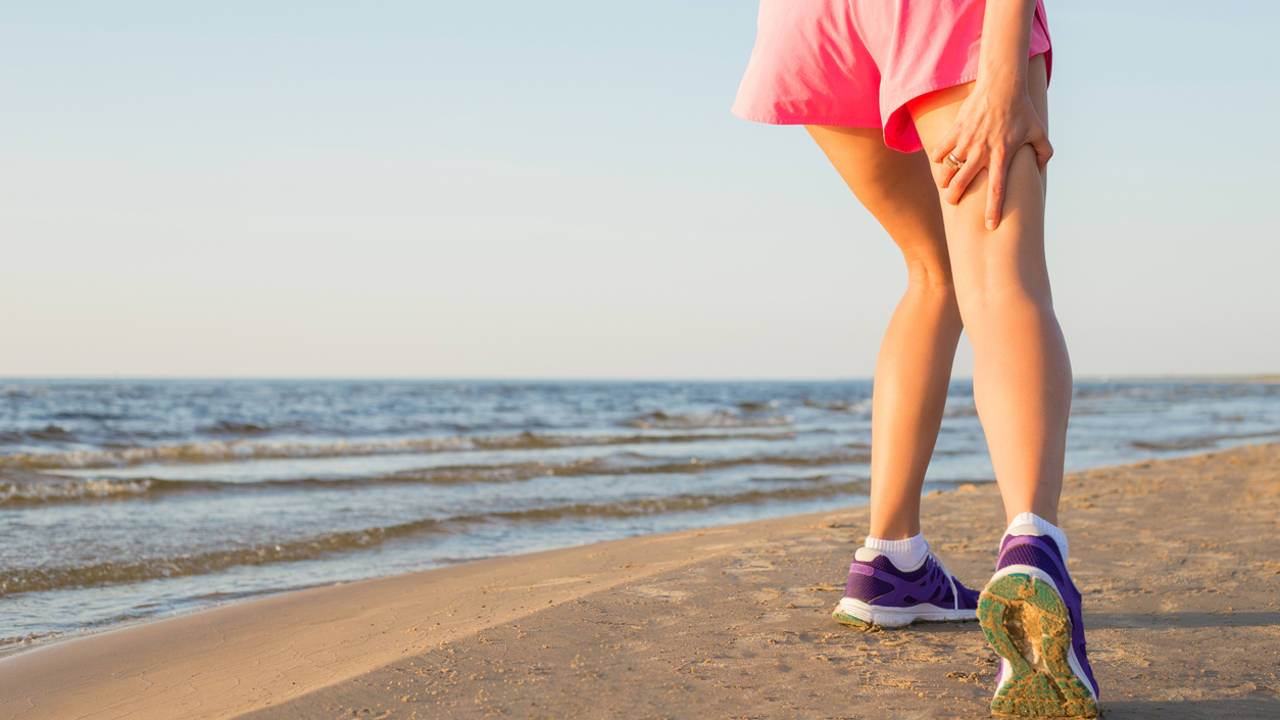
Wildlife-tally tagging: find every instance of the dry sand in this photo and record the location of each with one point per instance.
(1178, 560)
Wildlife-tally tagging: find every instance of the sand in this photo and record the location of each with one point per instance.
(1178, 560)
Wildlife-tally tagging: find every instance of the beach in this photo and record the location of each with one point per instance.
(128, 501)
(1178, 560)
(402, 361)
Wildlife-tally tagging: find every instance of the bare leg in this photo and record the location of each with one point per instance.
(1022, 375)
(914, 364)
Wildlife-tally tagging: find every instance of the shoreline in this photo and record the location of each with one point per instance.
(9, 647)
(139, 519)
(494, 635)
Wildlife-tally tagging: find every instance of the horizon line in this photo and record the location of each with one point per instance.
(1241, 377)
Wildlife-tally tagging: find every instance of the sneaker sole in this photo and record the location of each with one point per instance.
(859, 614)
(1027, 623)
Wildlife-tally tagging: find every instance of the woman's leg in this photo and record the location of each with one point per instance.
(1022, 375)
(914, 364)
(1031, 612)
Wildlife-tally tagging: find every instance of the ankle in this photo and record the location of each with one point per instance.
(895, 529)
(905, 554)
(1029, 523)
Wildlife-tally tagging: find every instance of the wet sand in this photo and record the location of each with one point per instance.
(1178, 560)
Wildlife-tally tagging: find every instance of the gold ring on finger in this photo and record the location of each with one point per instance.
(952, 161)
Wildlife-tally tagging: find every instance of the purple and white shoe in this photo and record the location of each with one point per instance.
(878, 593)
(1030, 612)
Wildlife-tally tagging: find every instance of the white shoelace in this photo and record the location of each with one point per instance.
(955, 592)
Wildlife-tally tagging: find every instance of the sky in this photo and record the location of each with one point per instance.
(558, 190)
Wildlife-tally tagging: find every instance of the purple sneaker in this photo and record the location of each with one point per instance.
(878, 593)
(1031, 615)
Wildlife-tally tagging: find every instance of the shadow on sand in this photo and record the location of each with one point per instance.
(1235, 709)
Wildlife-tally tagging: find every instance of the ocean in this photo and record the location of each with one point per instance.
(124, 500)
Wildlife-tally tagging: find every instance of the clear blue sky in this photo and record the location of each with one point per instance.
(557, 189)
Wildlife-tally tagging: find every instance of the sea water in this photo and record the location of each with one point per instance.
(126, 500)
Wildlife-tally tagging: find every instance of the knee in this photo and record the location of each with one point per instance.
(995, 299)
(928, 269)
(932, 285)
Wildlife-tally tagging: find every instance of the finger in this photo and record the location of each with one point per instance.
(1043, 148)
(973, 162)
(948, 172)
(997, 169)
(947, 144)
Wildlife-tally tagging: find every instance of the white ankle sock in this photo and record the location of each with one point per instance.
(904, 554)
(1027, 523)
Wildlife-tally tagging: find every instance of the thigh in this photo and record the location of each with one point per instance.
(896, 188)
(1012, 256)
(934, 112)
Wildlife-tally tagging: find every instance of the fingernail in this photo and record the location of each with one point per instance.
(991, 224)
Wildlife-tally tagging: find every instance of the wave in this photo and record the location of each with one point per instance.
(200, 563)
(230, 427)
(118, 572)
(18, 488)
(1190, 443)
(232, 450)
(718, 419)
(48, 433)
(850, 406)
(863, 406)
(682, 503)
(24, 488)
(88, 415)
(1199, 442)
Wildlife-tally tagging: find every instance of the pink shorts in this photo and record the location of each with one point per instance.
(858, 62)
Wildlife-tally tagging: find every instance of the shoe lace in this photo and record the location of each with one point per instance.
(955, 591)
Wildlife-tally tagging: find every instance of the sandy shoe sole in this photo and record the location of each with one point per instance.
(857, 613)
(1027, 624)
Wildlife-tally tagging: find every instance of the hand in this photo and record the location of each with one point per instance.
(989, 128)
